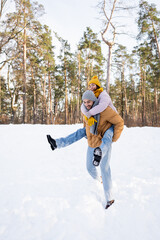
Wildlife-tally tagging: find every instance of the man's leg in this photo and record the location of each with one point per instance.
(92, 170)
(64, 142)
(105, 162)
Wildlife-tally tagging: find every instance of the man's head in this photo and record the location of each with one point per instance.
(88, 98)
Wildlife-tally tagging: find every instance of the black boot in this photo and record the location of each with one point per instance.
(109, 203)
(97, 156)
(52, 142)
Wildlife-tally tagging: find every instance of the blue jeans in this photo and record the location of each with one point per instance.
(105, 161)
(74, 137)
(105, 146)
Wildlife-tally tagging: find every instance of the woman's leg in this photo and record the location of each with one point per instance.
(64, 142)
(105, 162)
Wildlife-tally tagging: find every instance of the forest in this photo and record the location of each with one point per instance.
(38, 87)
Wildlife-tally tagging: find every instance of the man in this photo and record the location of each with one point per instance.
(106, 128)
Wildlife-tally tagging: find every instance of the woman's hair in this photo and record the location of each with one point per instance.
(97, 86)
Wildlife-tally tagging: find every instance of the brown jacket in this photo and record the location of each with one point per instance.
(107, 118)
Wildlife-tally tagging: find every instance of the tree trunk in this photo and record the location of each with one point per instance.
(125, 94)
(66, 98)
(55, 111)
(2, 6)
(122, 96)
(155, 106)
(156, 39)
(133, 102)
(24, 73)
(142, 77)
(71, 111)
(86, 71)
(42, 117)
(44, 103)
(134, 110)
(89, 67)
(12, 96)
(34, 97)
(34, 104)
(109, 68)
(78, 90)
(109, 43)
(50, 97)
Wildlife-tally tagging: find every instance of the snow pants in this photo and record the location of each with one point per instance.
(105, 146)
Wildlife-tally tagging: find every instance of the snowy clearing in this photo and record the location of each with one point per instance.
(46, 195)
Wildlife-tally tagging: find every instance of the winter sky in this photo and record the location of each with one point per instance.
(69, 18)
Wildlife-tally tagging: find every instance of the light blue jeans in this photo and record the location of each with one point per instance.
(74, 137)
(105, 146)
(105, 161)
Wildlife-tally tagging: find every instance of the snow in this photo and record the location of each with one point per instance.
(46, 195)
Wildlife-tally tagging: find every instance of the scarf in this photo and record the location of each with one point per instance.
(98, 91)
(93, 128)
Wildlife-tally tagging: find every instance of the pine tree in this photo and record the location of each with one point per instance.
(91, 53)
(149, 35)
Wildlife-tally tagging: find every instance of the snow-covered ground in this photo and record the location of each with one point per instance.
(49, 195)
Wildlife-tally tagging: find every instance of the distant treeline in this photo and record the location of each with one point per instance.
(39, 88)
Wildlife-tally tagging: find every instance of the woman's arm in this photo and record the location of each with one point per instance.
(104, 101)
(85, 112)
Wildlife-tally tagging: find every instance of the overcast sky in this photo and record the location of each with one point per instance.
(69, 18)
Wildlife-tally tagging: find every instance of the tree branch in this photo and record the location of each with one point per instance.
(110, 44)
(12, 37)
(2, 6)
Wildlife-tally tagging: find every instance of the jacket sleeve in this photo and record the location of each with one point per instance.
(104, 101)
(118, 128)
(118, 123)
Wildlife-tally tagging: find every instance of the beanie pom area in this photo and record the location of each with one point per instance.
(95, 80)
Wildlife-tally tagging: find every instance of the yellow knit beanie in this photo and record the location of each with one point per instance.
(94, 80)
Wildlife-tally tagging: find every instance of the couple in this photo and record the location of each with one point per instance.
(101, 130)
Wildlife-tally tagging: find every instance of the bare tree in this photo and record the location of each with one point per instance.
(112, 10)
(110, 43)
(78, 90)
(3, 2)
